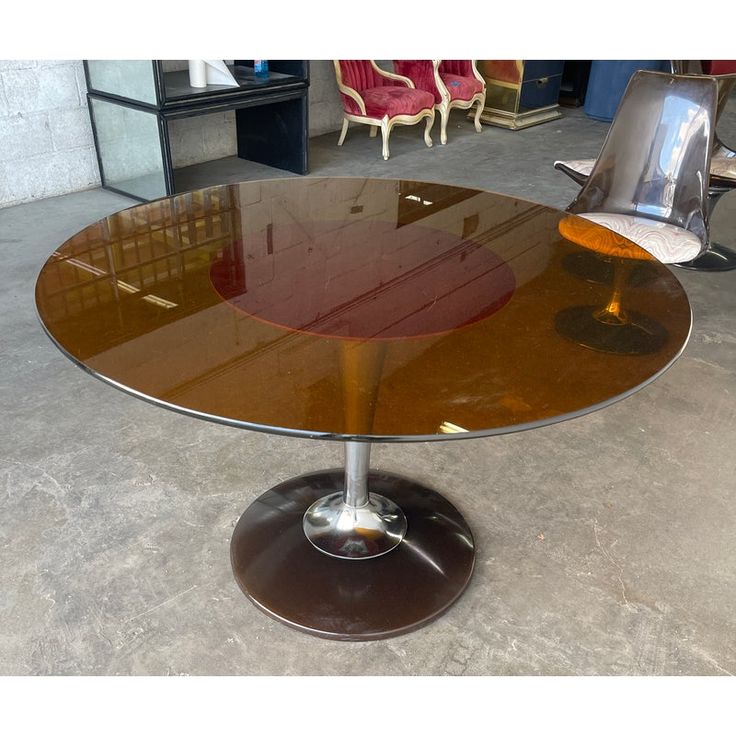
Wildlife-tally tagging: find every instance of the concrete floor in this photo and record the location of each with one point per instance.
(604, 544)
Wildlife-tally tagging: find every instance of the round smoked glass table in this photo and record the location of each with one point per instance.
(358, 310)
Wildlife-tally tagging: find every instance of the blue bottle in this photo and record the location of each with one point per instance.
(261, 68)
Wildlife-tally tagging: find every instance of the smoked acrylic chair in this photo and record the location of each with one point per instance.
(378, 98)
(650, 180)
(715, 257)
(452, 83)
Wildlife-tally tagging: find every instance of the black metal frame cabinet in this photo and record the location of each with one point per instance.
(131, 104)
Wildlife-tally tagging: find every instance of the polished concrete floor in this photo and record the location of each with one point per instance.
(605, 545)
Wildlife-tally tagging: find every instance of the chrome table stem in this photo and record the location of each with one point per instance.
(357, 461)
(355, 524)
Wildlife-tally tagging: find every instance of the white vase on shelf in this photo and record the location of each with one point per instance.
(197, 73)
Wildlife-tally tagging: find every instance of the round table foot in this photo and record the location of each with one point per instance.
(286, 576)
(716, 258)
(638, 335)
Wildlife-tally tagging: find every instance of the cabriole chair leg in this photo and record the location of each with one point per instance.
(385, 132)
(427, 137)
(478, 111)
(444, 116)
(344, 132)
(374, 131)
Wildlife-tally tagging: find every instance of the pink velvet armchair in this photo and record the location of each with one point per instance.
(452, 83)
(380, 99)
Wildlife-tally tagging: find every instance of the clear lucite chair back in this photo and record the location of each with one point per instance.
(655, 160)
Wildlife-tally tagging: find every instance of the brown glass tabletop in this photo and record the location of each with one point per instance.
(359, 310)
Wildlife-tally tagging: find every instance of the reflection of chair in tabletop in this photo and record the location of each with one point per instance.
(379, 98)
(454, 84)
(722, 172)
(610, 328)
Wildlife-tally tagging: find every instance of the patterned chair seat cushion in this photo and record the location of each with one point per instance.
(667, 243)
(391, 101)
(461, 88)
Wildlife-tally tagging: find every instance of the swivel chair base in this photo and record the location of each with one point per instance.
(717, 258)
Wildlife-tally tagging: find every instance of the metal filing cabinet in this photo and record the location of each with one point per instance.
(521, 93)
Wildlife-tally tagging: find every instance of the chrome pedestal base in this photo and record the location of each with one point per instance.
(717, 258)
(286, 576)
(637, 334)
(340, 530)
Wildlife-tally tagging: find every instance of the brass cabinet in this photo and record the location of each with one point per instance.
(521, 93)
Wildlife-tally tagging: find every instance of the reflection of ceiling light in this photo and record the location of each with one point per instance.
(127, 287)
(450, 428)
(86, 267)
(159, 302)
(415, 198)
(421, 553)
(122, 285)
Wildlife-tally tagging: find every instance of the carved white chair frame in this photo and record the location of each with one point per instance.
(385, 123)
(448, 104)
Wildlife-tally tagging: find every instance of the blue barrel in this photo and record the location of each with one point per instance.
(607, 82)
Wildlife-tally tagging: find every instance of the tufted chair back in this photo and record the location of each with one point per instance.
(360, 74)
(421, 72)
(460, 67)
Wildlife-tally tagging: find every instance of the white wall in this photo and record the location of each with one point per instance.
(46, 144)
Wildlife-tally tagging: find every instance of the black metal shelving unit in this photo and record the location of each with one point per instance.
(131, 104)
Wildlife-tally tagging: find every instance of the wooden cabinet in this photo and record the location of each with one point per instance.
(521, 93)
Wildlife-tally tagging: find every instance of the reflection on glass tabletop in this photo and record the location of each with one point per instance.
(283, 305)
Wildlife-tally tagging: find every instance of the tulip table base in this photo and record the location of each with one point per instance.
(281, 571)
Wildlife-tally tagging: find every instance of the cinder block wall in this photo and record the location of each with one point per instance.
(46, 144)
(325, 106)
